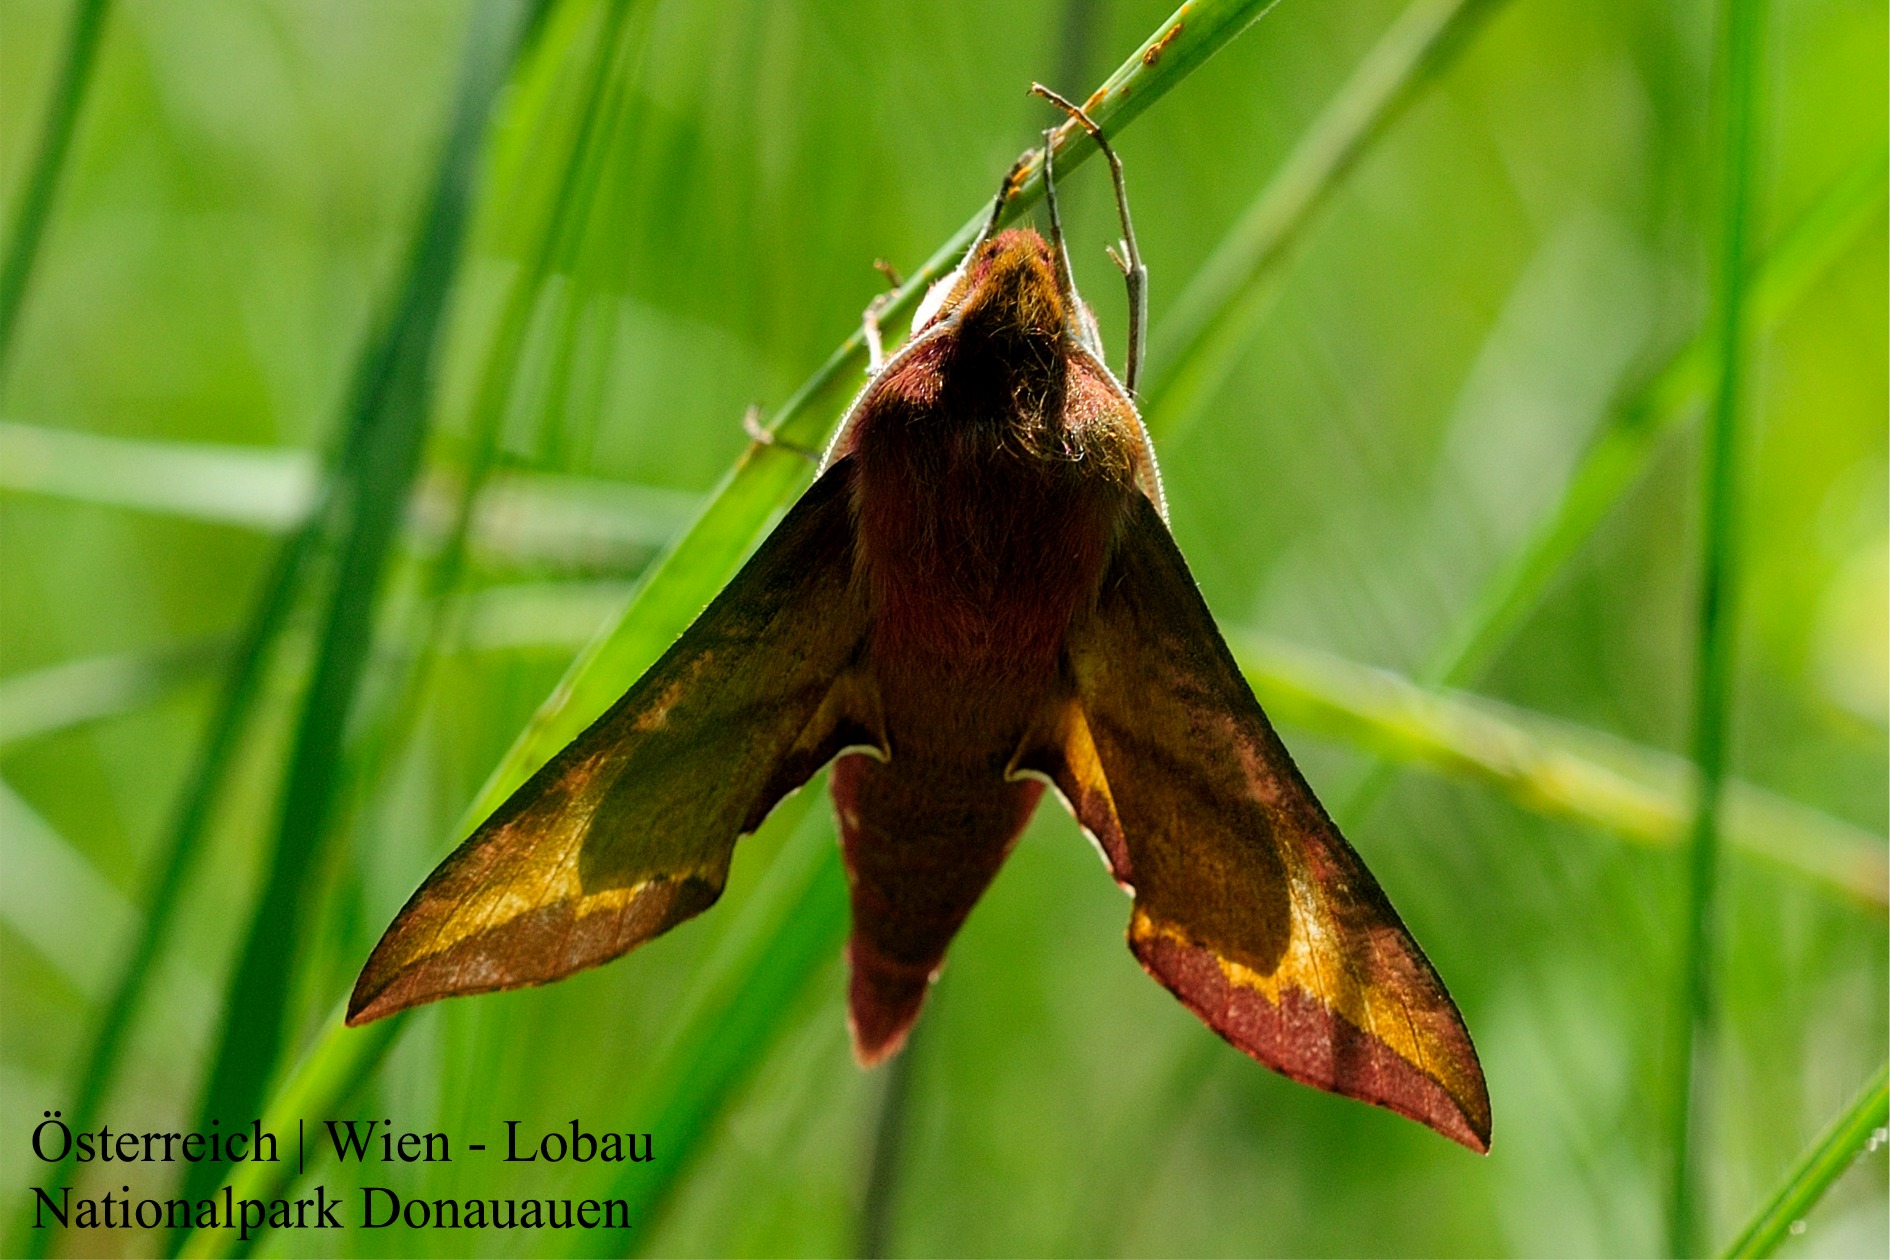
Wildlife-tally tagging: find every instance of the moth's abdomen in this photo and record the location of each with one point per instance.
(922, 841)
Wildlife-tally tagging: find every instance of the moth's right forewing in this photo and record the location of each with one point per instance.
(629, 830)
(1249, 904)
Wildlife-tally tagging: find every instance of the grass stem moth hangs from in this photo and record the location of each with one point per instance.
(977, 598)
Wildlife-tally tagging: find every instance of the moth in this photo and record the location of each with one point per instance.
(977, 598)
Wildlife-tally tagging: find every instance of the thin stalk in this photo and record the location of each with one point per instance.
(1856, 1130)
(568, 211)
(1717, 640)
(1675, 393)
(433, 621)
(313, 1090)
(49, 163)
(37, 703)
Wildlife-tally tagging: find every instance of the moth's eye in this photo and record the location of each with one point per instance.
(934, 298)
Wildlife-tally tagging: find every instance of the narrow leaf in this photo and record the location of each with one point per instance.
(1855, 1130)
(49, 164)
(392, 411)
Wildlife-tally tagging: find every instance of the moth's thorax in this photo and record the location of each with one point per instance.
(995, 459)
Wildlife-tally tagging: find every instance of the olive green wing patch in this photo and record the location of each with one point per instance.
(630, 829)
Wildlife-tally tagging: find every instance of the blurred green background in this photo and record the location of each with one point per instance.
(286, 454)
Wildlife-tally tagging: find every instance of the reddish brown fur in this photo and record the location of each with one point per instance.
(993, 469)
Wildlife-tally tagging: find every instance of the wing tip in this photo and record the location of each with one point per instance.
(1303, 1038)
(366, 1005)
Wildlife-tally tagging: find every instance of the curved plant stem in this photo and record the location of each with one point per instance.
(1858, 1128)
(42, 182)
(1743, 35)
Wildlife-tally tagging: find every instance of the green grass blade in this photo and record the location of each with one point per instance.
(1546, 765)
(1632, 435)
(392, 411)
(235, 485)
(1859, 1127)
(183, 845)
(521, 519)
(1634, 431)
(41, 701)
(1688, 1212)
(1549, 767)
(320, 1085)
(56, 899)
(568, 210)
(432, 616)
(49, 163)
(1212, 321)
(886, 1156)
(788, 931)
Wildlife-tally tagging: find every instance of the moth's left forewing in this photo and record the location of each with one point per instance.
(630, 829)
(1249, 905)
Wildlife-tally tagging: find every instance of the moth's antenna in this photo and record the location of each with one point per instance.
(1130, 259)
(1066, 277)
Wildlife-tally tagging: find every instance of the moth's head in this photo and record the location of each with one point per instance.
(1007, 286)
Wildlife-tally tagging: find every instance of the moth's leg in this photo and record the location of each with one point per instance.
(1129, 258)
(869, 329)
(869, 318)
(761, 435)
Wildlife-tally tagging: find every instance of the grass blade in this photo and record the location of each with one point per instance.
(885, 1166)
(1858, 1128)
(788, 931)
(1744, 39)
(56, 899)
(320, 1085)
(1210, 324)
(391, 410)
(41, 701)
(569, 209)
(1616, 460)
(49, 163)
(1549, 767)
(1633, 433)
(1545, 765)
(235, 485)
(520, 519)
(184, 844)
